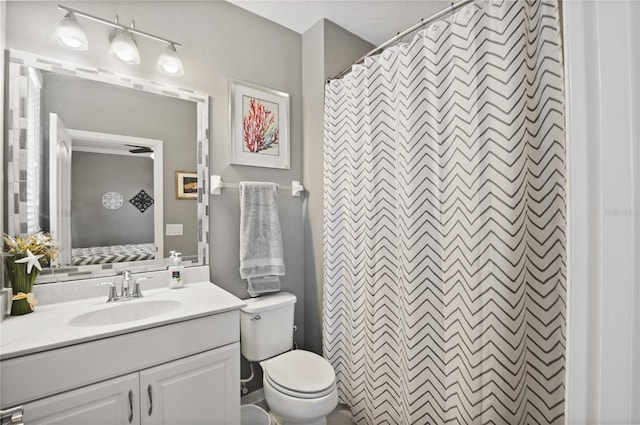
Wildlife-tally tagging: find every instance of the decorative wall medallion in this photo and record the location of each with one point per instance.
(112, 200)
(142, 201)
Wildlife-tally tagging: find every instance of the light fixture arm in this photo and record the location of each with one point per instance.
(117, 25)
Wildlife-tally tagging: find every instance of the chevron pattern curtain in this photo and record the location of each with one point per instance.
(445, 259)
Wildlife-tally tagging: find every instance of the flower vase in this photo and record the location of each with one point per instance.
(21, 285)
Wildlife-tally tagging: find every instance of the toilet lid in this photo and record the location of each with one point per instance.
(300, 372)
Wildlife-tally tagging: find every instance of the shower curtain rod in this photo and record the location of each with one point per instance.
(402, 34)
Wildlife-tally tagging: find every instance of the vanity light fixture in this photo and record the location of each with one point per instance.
(123, 46)
(68, 33)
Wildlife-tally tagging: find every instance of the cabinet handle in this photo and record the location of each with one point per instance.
(150, 392)
(12, 416)
(130, 406)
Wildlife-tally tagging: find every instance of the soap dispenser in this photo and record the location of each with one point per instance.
(176, 270)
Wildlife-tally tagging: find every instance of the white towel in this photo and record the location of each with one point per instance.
(262, 285)
(260, 235)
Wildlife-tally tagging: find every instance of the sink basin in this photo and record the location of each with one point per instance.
(125, 312)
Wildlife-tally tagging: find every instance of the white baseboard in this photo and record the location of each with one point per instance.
(253, 397)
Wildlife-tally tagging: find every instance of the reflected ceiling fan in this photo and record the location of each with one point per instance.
(140, 149)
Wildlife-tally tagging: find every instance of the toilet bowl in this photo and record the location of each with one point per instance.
(299, 387)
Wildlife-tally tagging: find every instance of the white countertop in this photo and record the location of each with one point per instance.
(48, 326)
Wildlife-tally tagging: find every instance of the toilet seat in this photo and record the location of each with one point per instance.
(300, 374)
(298, 394)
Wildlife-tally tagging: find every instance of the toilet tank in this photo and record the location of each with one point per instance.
(266, 326)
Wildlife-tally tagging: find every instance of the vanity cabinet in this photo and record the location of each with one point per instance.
(183, 373)
(193, 390)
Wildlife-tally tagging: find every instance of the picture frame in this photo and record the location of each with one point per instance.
(259, 123)
(186, 185)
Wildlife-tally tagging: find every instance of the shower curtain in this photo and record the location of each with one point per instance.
(444, 223)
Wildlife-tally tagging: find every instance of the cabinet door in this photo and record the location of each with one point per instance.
(108, 403)
(197, 390)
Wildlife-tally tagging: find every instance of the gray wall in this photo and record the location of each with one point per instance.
(326, 50)
(93, 175)
(93, 106)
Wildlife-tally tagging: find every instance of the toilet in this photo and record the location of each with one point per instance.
(299, 386)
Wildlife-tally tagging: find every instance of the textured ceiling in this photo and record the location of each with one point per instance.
(373, 20)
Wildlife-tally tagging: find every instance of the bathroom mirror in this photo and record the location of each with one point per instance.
(91, 156)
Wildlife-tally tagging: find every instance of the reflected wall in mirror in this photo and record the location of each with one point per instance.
(107, 172)
(91, 157)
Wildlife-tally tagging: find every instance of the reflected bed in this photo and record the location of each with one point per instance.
(113, 254)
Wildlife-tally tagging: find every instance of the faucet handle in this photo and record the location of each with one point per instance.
(113, 294)
(136, 288)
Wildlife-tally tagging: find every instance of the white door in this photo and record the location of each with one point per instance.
(197, 390)
(60, 187)
(113, 402)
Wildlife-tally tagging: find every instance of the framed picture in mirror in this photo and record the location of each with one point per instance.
(186, 185)
(259, 126)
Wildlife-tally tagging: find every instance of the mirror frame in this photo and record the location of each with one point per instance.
(17, 58)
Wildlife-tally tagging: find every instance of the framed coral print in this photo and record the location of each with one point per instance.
(259, 126)
(186, 185)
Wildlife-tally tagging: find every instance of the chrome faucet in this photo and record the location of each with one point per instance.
(126, 278)
(126, 293)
